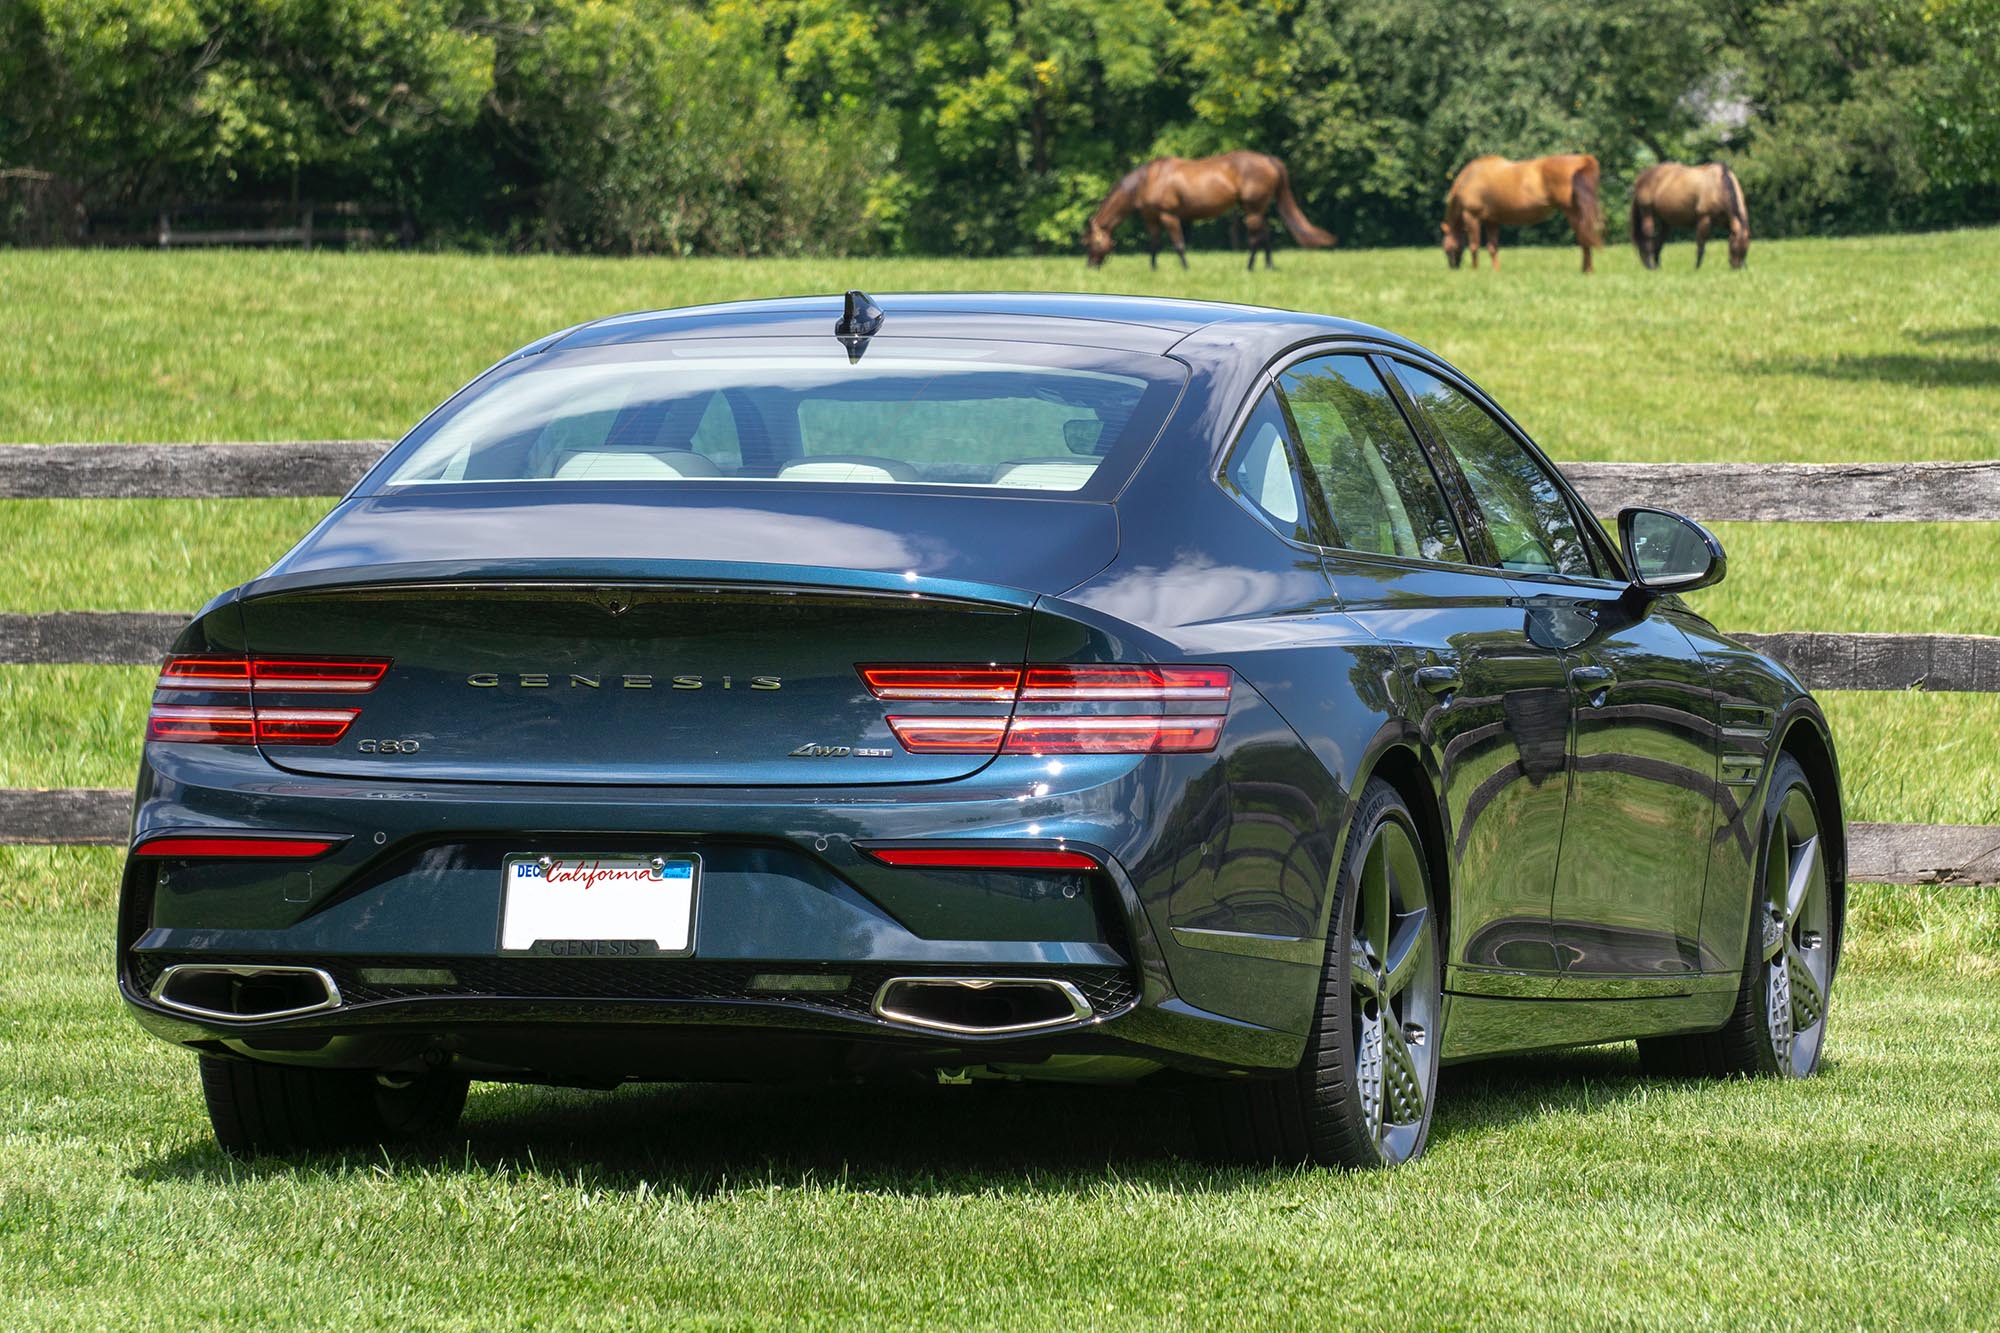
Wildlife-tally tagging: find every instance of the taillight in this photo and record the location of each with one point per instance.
(256, 722)
(987, 684)
(243, 726)
(344, 675)
(1096, 709)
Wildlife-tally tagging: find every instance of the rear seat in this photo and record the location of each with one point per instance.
(848, 467)
(634, 465)
(1044, 474)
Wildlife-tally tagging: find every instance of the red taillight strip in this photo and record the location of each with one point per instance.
(303, 726)
(1086, 683)
(261, 846)
(1112, 735)
(229, 726)
(342, 675)
(985, 858)
(949, 735)
(954, 683)
(205, 673)
(317, 673)
(243, 726)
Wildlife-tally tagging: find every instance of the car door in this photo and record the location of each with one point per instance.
(1641, 754)
(1495, 703)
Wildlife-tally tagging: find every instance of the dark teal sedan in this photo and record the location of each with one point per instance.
(988, 686)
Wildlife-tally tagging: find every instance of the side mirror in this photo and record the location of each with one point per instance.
(1669, 553)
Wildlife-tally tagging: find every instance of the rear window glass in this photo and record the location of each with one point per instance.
(1012, 416)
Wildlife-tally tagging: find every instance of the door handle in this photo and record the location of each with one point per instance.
(1438, 679)
(1593, 680)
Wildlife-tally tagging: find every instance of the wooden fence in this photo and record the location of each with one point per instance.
(1714, 492)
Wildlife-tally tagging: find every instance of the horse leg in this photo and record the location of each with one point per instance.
(1701, 230)
(1493, 245)
(1174, 236)
(1260, 235)
(1472, 237)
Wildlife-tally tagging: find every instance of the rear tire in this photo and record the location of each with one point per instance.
(1363, 1093)
(281, 1110)
(1778, 1027)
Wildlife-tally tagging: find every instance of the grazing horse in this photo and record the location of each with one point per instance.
(1674, 194)
(1492, 192)
(1169, 191)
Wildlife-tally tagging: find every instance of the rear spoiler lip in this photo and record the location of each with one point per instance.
(636, 573)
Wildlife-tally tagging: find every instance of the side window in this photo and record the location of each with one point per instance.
(1260, 470)
(1378, 487)
(1530, 523)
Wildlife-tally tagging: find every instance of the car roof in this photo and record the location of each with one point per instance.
(1130, 323)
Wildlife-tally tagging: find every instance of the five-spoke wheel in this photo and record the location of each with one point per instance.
(1778, 1025)
(1363, 1092)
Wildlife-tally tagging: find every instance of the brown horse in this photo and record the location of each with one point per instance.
(1169, 191)
(1492, 192)
(1674, 194)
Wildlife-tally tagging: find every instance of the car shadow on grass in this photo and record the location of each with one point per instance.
(905, 1139)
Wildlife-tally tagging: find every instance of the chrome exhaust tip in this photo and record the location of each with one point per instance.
(980, 1006)
(245, 992)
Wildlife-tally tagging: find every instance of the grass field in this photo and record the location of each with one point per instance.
(1559, 1190)
(1562, 1190)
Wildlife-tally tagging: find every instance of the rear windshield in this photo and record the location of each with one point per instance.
(1010, 416)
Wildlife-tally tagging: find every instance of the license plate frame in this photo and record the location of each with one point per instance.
(609, 904)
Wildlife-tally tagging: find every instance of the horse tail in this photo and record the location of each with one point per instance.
(1638, 222)
(1733, 196)
(1589, 211)
(1295, 221)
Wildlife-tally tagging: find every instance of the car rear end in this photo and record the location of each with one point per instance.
(693, 708)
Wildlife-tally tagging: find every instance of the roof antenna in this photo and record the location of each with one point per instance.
(860, 321)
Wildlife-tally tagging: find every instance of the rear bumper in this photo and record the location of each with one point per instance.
(412, 897)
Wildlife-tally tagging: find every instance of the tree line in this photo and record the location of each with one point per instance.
(746, 127)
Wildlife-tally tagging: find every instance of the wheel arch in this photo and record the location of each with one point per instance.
(1398, 762)
(1809, 741)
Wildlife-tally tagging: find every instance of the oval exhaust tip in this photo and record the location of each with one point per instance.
(245, 992)
(980, 1006)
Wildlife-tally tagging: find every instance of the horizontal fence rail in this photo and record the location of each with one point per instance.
(1712, 492)
(1963, 663)
(1966, 854)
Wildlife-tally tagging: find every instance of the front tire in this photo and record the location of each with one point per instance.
(1778, 1027)
(1363, 1093)
(281, 1110)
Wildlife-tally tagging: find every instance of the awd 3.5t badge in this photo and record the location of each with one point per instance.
(814, 750)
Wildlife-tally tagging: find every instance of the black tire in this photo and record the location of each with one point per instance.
(1802, 928)
(1332, 1110)
(281, 1110)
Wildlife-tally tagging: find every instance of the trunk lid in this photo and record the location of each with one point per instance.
(656, 634)
(637, 683)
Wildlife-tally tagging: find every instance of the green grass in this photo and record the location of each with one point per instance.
(1559, 1190)
(1873, 348)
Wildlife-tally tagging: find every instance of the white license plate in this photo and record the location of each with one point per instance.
(584, 906)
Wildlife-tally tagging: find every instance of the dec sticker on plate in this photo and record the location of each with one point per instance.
(599, 906)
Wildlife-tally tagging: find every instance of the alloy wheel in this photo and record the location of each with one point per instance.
(1798, 955)
(1395, 992)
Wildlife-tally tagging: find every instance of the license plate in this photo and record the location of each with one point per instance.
(584, 906)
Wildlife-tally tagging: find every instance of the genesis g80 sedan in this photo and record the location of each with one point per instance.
(1010, 686)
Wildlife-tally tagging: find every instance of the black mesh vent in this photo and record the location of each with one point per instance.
(1109, 989)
